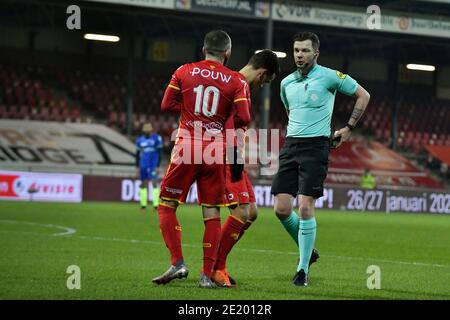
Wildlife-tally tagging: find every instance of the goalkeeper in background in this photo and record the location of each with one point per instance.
(148, 157)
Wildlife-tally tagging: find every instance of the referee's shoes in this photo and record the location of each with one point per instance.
(301, 277)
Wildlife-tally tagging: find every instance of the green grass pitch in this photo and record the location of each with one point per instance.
(119, 250)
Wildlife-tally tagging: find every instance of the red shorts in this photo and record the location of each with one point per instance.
(240, 192)
(184, 170)
(251, 193)
(210, 183)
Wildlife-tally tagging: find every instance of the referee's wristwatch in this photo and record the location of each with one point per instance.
(350, 127)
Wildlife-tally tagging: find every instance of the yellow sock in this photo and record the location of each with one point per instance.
(155, 197)
(143, 196)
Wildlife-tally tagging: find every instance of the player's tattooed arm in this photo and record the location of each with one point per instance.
(362, 99)
(343, 134)
(358, 110)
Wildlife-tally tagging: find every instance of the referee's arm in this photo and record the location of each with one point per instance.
(284, 99)
(362, 99)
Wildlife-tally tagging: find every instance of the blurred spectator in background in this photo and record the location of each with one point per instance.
(368, 181)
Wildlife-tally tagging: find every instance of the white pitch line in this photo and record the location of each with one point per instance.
(67, 230)
(265, 251)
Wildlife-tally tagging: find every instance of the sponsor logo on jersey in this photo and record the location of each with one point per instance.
(341, 75)
(174, 191)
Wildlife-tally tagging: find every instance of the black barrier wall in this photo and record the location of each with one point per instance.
(335, 197)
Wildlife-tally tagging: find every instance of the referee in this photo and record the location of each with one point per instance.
(308, 95)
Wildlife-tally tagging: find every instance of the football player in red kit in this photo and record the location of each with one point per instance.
(207, 94)
(261, 68)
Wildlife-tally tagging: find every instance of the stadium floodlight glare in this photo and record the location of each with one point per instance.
(420, 67)
(279, 54)
(101, 37)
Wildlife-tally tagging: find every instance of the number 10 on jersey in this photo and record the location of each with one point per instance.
(202, 100)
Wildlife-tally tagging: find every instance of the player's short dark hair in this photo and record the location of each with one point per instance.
(302, 36)
(266, 59)
(216, 42)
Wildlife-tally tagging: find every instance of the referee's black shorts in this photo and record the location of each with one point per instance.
(303, 167)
